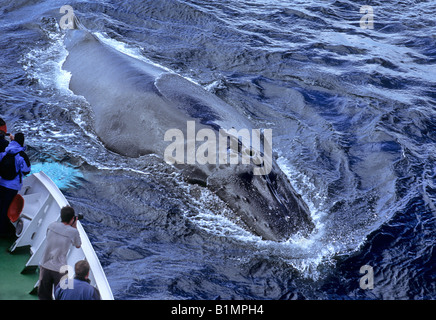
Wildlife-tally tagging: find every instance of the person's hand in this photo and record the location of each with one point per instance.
(11, 136)
(74, 224)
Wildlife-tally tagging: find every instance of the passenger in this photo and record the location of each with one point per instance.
(14, 163)
(3, 130)
(60, 236)
(81, 288)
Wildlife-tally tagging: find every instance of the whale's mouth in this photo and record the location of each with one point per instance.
(280, 200)
(284, 212)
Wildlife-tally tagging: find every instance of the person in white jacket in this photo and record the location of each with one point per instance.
(61, 235)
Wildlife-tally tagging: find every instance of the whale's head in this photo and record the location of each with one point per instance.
(257, 191)
(267, 204)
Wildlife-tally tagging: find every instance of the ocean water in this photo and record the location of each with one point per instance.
(353, 116)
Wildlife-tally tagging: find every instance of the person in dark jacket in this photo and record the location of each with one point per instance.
(81, 288)
(9, 188)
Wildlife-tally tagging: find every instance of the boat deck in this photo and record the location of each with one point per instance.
(13, 284)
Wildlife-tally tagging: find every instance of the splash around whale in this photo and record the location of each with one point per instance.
(140, 108)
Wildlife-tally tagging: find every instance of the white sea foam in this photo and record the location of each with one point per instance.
(45, 64)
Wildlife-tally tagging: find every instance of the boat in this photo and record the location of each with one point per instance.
(42, 204)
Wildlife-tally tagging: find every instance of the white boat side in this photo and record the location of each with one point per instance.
(42, 204)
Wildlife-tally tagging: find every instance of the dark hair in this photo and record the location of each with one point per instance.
(81, 269)
(67, 213)
(19, 137)
(3, 127)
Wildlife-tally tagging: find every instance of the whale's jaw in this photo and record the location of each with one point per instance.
(267, 204)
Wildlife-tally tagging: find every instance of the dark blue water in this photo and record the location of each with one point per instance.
(353, 114)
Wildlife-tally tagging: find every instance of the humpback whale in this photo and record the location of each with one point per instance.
(136, 103)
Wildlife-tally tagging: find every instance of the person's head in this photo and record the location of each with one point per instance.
(82, 269)
(19, 138)
(3, 127)
(67, 213)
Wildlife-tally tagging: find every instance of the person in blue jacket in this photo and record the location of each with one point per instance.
(81, 288)
(9, 188)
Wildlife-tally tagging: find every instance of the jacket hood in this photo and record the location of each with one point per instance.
(14, 147)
